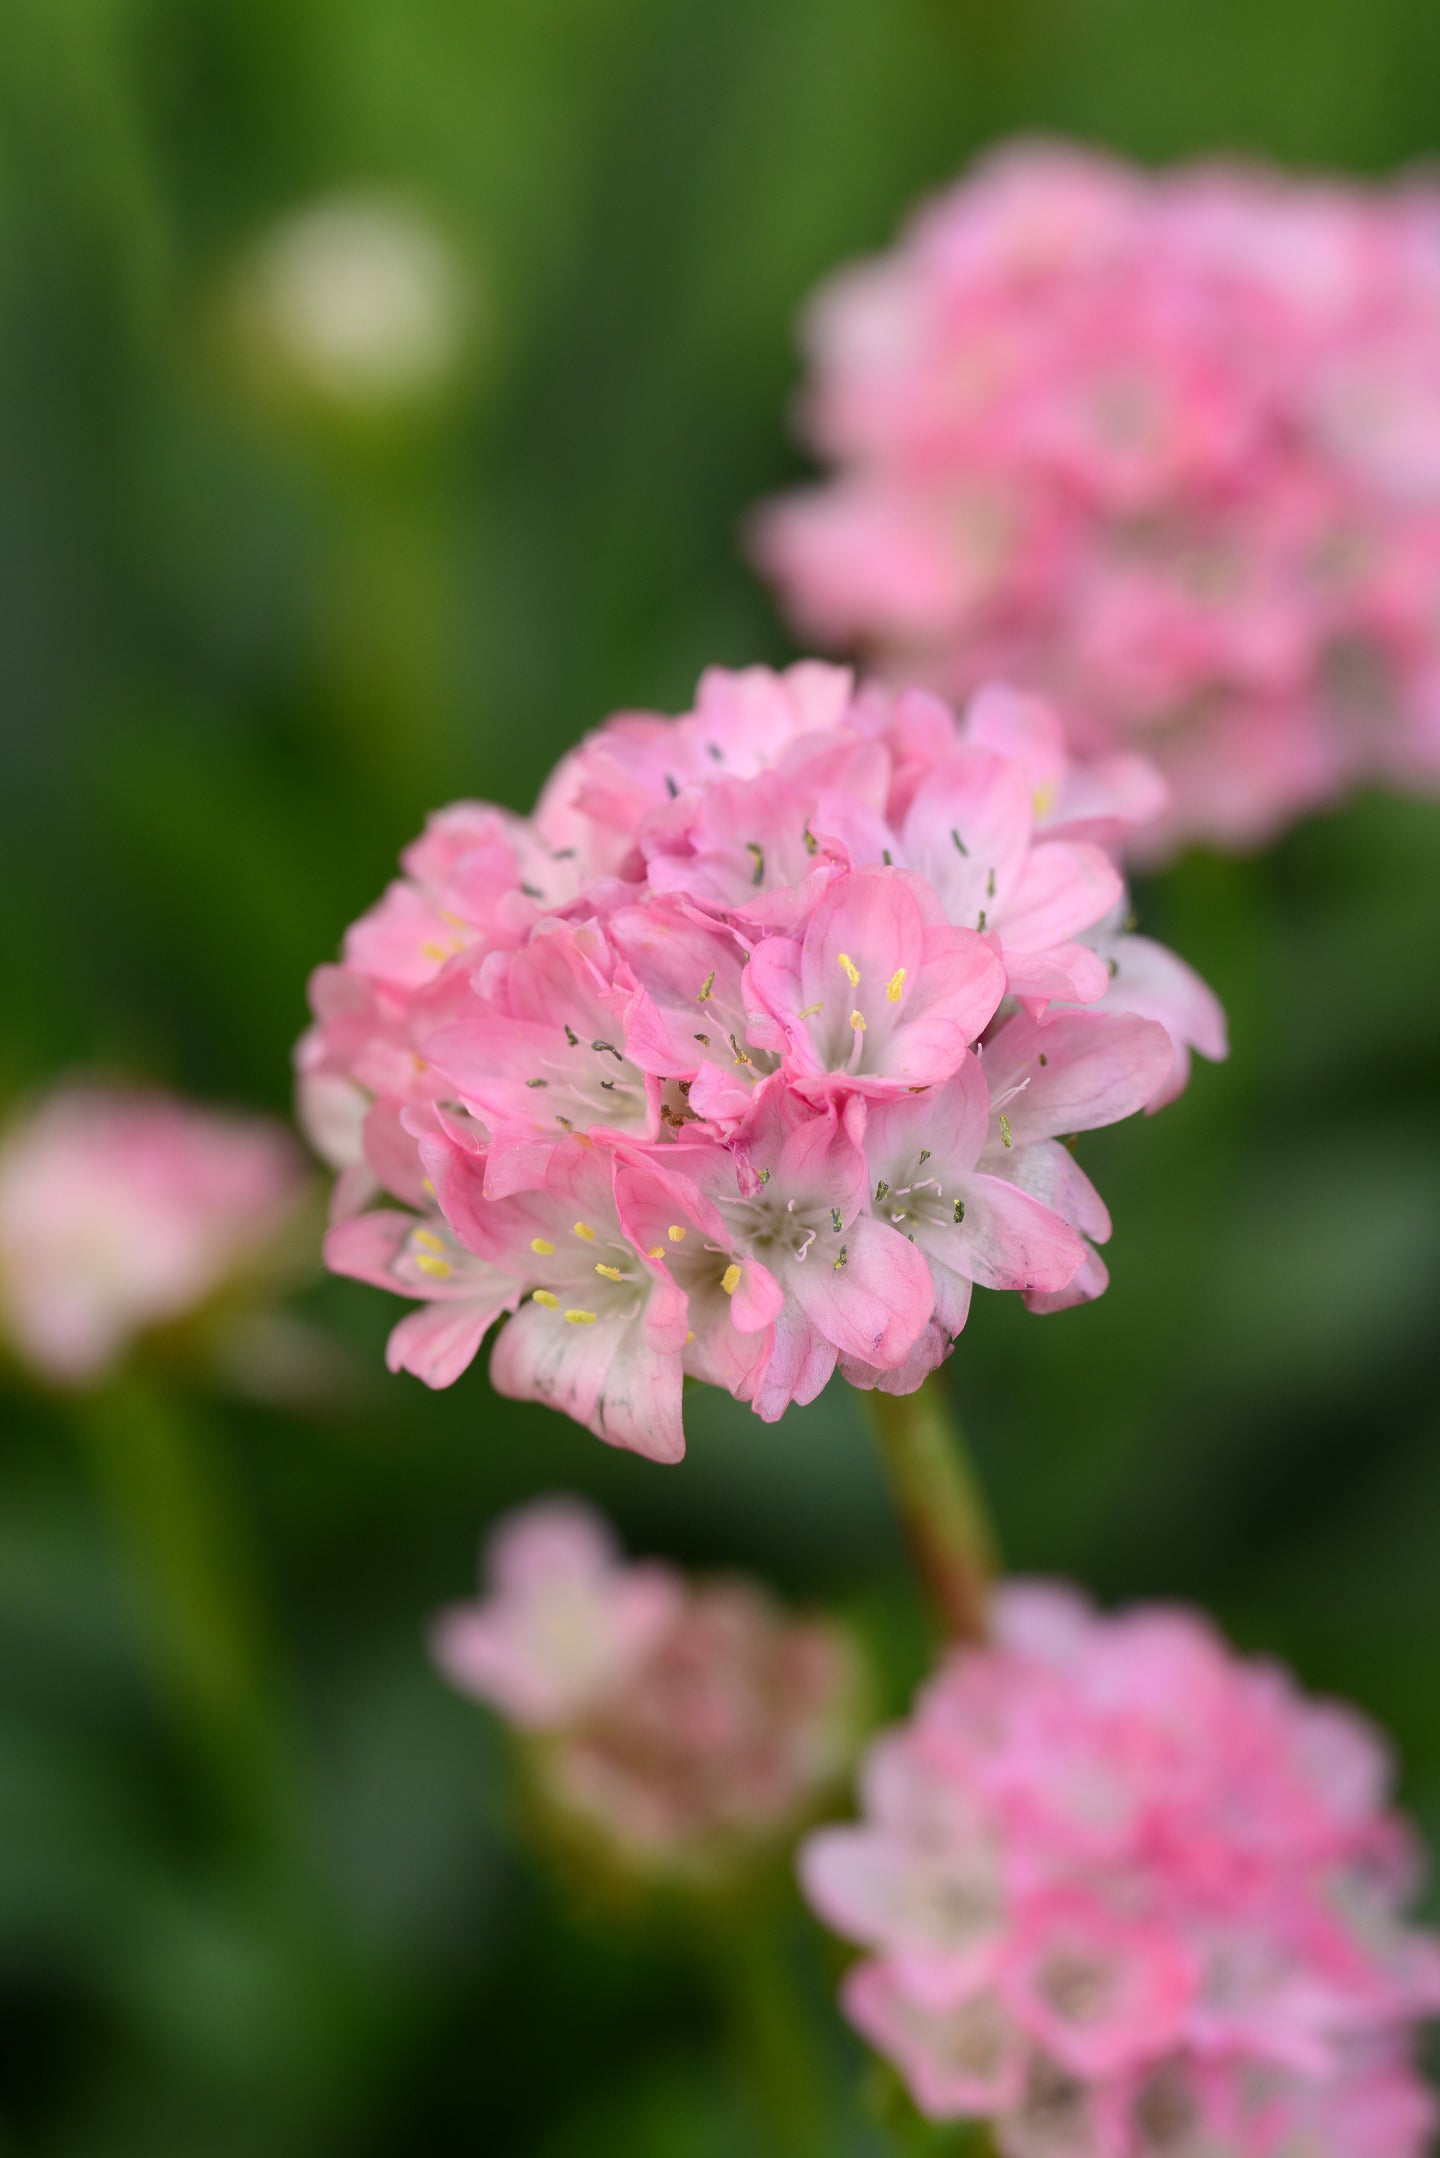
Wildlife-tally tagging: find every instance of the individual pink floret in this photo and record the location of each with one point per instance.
(1129, 1896)
(1165, 446)
(678, 1726)
(122, 1211)
(748, 1054)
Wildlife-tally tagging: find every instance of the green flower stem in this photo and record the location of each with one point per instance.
(184, 1547)
(771, 2034)
(937, 1498)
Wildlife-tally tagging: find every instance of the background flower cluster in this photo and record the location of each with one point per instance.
(1163, 444)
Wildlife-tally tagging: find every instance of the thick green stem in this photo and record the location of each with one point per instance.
(938, 1499)
(185, 1550)
(773, 2041)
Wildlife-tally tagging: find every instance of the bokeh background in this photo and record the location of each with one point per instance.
(246, 642)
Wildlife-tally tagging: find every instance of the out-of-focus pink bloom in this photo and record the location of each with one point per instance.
(678, 1725)
(1164, 446)
(566, 1622)
(123, 1210)
(750, 1052)
(1131, 1897)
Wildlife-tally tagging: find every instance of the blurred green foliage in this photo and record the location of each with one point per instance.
(245, 651)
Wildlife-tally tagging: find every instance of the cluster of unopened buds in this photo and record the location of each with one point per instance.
(750, 1052)
(676, 1729)
(1164, 446)
(1131, 1897)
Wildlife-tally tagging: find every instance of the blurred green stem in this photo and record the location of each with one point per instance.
(183, 1541)
(771, 2034)
(387, 626)
(938, 1500)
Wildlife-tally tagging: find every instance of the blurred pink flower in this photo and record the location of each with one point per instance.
(1166, 447)
(678, 1724)
(1132, 1897)
(749, 1053)
(121, 1211)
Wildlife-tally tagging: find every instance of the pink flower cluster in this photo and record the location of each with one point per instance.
(681, 1724)
(748, 1053)
(121, 1211)
(1131, 1897)
(1165, 447)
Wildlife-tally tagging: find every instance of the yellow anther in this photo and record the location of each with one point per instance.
(1005, 1131)
(811, 1009)
(428, 1186)
(849, 969)
(895, 984)
(542, 1245)
(689, 1337)
(656, 1251)
(544, 1296)
(1043, 800)
(857, 1020)
(437, 952)
(730, 1280)
(582, 1318)
(427, 1242)
(611, 1273)
(438, 1267)
(583, 1229)
(707, 988)
(675, 1233)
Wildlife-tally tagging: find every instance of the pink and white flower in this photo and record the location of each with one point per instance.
(680, 1727)
(749, 1053)
(1163, 446)
(1128, 1896)
(122, 1211)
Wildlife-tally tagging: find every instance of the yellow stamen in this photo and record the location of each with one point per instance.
(611, 1273)
(582, 1318)
(428, 1186)
(895, 984)
(583, 1229)
(656, 1251)
(437, 952)
(730, 1280)
(707, 988)
(675, 1233)
(440, 1268)
(811, 1009)
(689, 1337)
(428, 1242)
(857, 1020)
(1005, 1131)
(543, 1296)
(542, 1245)
(849, 969)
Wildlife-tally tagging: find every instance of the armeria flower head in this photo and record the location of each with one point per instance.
(677, 1728)
(124, 1210)
(1129, 1896)
(1165, 446)
(750, 1052)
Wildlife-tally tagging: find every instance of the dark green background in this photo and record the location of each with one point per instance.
(242, 655)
